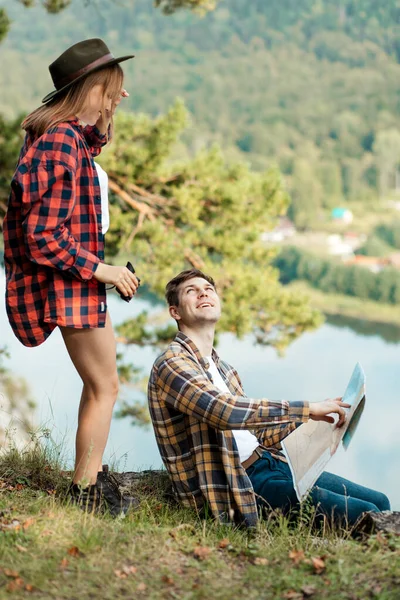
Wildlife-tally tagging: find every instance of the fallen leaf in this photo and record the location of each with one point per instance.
(64, 563)
(11, 573)
(120, 574)
(19, 487)
(201, 552)
(21, 548)
(380, 538)
(376, 590)
(292, 595)
(167, 580)
(28, 523)
(15, 585)
(13, 526)
(260, 561)
(75, 552)
(158, 507)
(296, 556)
(318, 564)
(308, 590)
(224, 543)
(141, 587)
(29, 587)
(181, 527)
(129, 569)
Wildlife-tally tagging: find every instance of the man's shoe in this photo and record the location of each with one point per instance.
(116, 503)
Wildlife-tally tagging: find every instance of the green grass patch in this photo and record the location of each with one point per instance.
(348, 306)
(49, 549)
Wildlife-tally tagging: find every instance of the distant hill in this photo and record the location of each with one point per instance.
(310, 85)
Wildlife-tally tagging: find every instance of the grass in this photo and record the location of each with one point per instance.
(348, 306)
(49, 549)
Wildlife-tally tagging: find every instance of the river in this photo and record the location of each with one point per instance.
(315, 367)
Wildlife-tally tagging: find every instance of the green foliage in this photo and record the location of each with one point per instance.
(4, 23)
(11, 137)
(375, 246)
(170, 6)
(37, 465)
(202, 212)
(332, 277)
(389, 234)
(277, 81)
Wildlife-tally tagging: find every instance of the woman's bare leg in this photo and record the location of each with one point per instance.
(93, 353)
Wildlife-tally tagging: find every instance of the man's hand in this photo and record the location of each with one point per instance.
(321, 411)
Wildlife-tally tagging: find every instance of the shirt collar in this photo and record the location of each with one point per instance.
(187, 343)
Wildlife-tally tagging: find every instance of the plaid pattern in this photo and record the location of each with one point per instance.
(193, 422)
(52, 235)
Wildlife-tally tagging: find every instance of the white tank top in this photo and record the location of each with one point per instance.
(245, 440)
(103, 181)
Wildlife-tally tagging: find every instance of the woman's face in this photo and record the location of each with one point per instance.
(97, 101)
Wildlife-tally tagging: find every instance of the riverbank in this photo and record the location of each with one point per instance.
(161, 551)
(349, 306)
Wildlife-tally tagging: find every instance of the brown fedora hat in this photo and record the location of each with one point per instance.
(78, 61)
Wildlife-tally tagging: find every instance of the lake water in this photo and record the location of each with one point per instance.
(315, 367)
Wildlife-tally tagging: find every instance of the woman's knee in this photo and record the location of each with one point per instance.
(103, 388)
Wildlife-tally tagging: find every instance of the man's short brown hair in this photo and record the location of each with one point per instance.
(171, 289)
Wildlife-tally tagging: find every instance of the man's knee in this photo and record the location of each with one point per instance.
(382, 501)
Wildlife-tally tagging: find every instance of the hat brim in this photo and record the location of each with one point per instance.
(112, 62)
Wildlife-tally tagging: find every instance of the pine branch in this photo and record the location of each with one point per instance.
(141, 207)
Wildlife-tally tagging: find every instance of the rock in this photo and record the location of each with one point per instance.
(373, 522)
(149, 482)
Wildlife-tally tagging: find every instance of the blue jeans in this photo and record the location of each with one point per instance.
(332, 496)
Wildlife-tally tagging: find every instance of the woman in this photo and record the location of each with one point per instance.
(54, 247)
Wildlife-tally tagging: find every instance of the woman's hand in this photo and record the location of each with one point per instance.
(125, 281)
(104, 120)
(321, 411)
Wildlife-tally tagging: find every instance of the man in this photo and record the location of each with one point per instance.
(204, 424)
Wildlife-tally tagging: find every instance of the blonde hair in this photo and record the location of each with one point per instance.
(73, 101)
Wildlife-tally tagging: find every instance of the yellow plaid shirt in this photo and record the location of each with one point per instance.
(193, 422)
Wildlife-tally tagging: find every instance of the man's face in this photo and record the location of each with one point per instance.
(198, 303)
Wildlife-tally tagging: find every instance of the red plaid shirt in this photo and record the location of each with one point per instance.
(52, 235)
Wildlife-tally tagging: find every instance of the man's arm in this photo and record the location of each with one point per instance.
(183, 385)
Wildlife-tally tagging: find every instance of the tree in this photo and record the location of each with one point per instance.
(10, 144)
(306, 194)
(203, 213)
(387, 151)
(56, 6)
(4, 23)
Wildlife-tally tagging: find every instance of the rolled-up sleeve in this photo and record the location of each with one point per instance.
(94, 139)
(186, 388)
(48, 201)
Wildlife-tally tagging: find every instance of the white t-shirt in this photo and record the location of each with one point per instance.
(245, 441)
(103, 181)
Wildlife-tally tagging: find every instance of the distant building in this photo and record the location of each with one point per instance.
(344, 215)
(355, 240)
(372, 263)
(284, 229)
(394, 260)
(338, 247)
